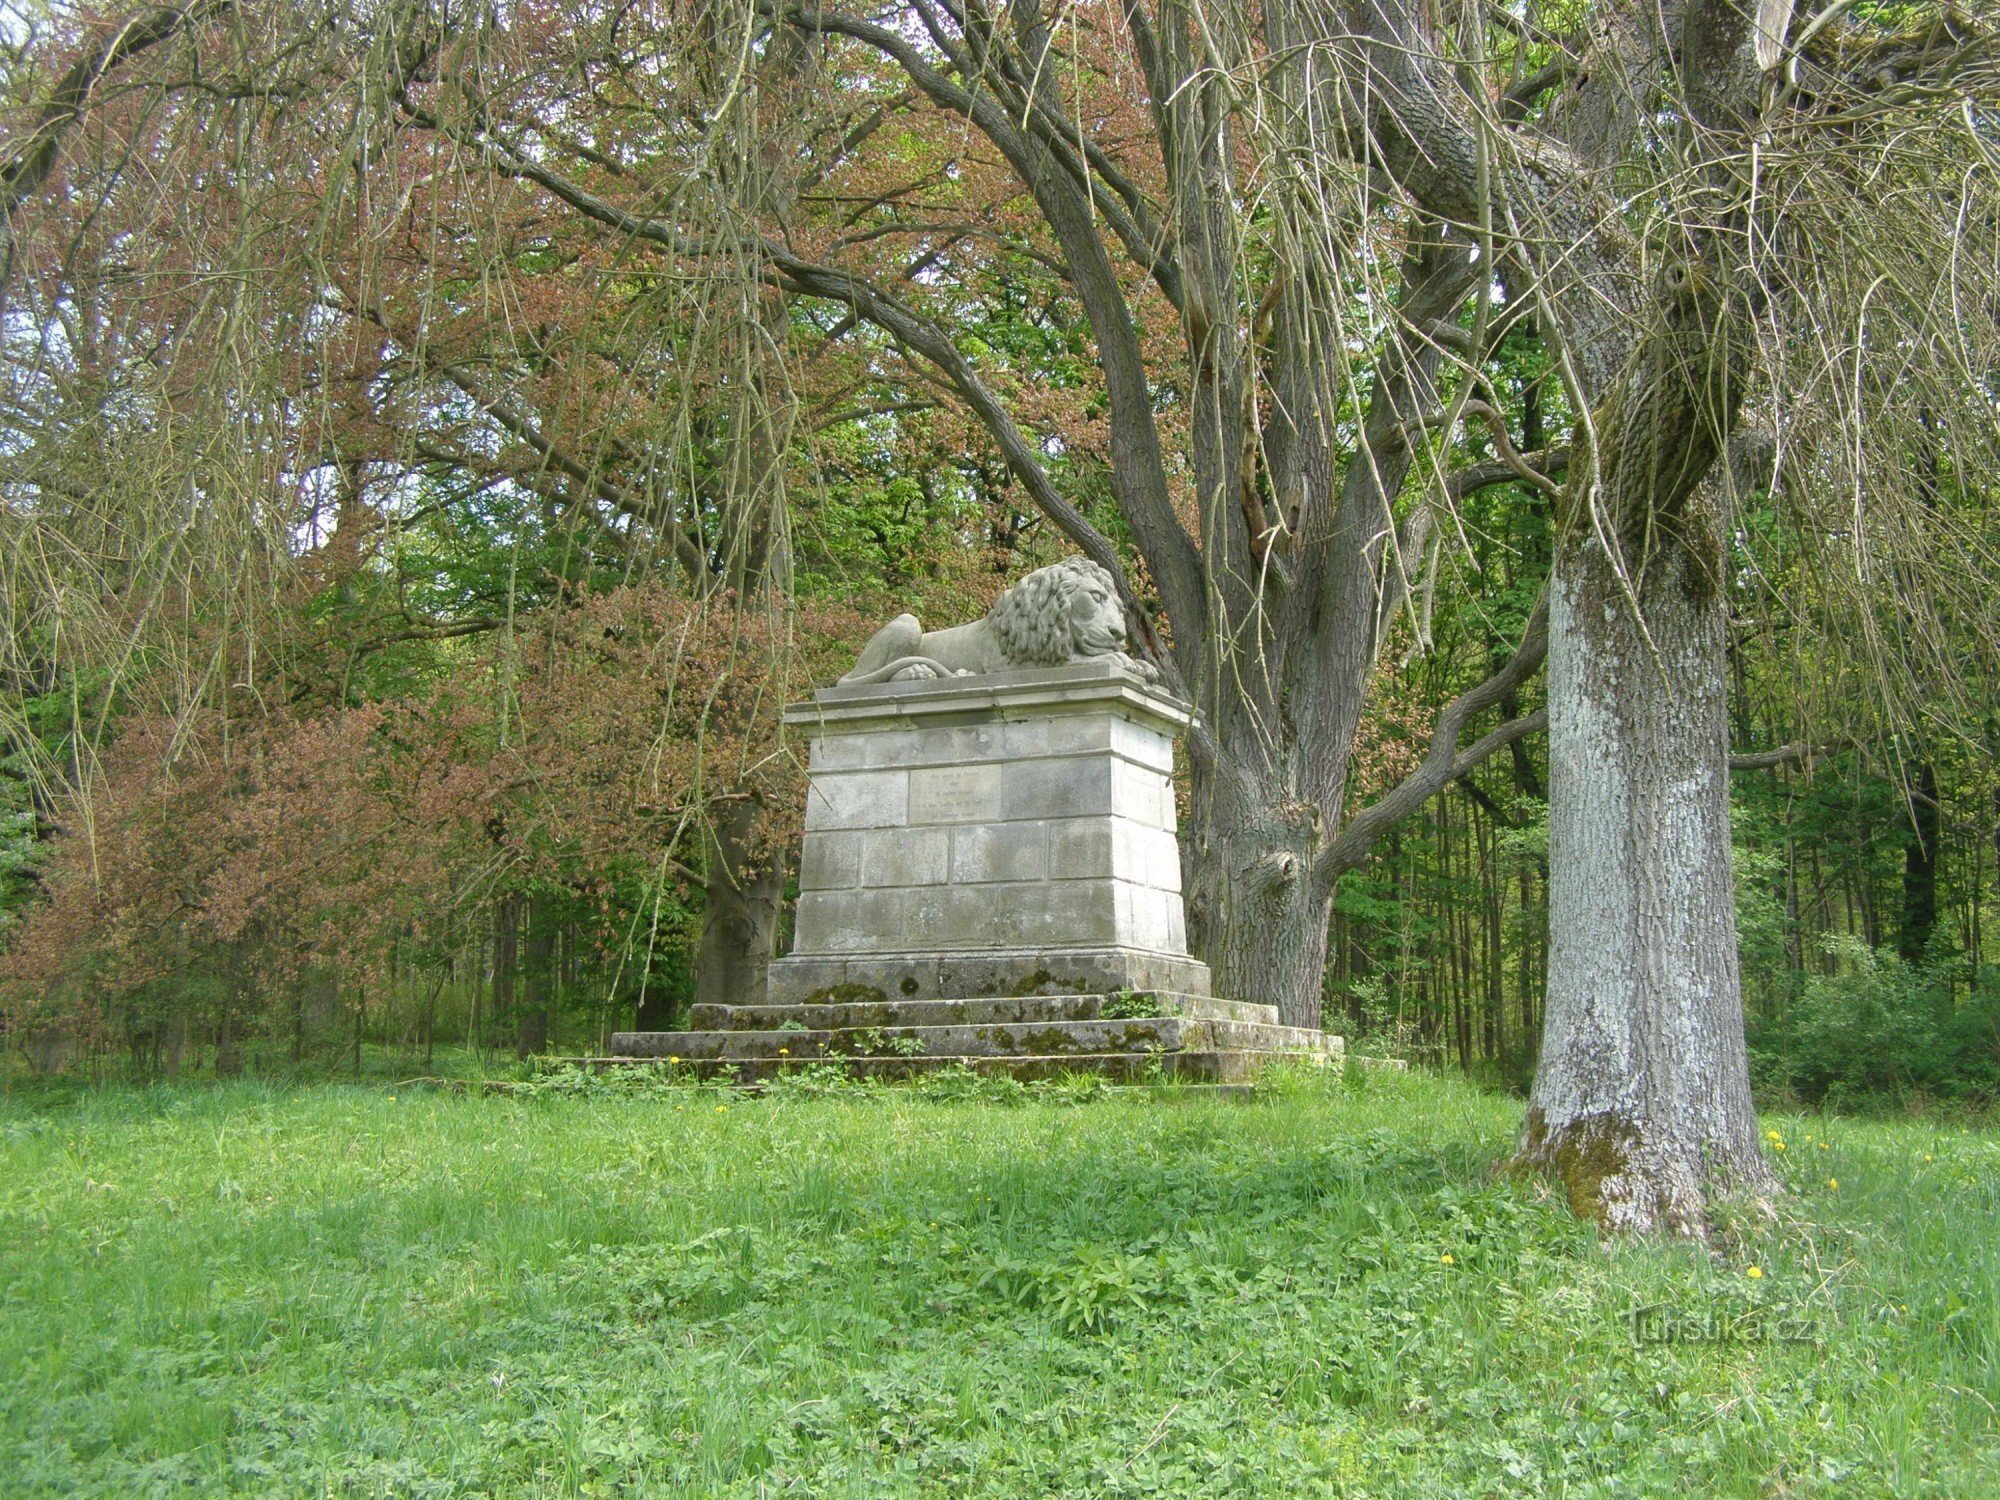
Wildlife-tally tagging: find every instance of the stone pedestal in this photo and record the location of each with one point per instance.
(1002, 835)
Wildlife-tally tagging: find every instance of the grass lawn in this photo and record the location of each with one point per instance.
(1322, 1291)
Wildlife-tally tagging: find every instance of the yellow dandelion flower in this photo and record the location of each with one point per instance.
(673, 1059)
(1824, 1146)
(1447, 1260)
(1929, 1157)
(784, 1052)
(1755, 1273)
(1833, 1182)
(1772, 1135)
(1777, 1145)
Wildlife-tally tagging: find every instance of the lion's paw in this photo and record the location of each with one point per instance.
(1145, 671)
(916, 671)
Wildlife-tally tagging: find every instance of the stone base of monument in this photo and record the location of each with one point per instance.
(1190, 1037)
(990, 876)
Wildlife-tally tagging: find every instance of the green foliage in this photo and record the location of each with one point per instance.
(615, 1285)
(1130, 1005)
(20, 856)
(37, 731)
(1764, 930)
(966, 1084)
(1087, 1292)
(1880, 1031)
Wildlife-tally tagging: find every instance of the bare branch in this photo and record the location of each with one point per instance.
(1784, 755)
(35, 158)
(1444, 762)
(1473, 477)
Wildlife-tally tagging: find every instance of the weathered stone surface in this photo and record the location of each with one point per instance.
(1011, 831)
(947, 975)
(905, 857)
(858, 799)
(1077, 787)
(852, 1015)
(831, 861)
(1095, 1036)
(986, 852)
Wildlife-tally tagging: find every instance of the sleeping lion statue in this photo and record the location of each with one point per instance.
(1056, 615)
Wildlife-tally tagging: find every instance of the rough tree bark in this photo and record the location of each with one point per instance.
(1641, 1105)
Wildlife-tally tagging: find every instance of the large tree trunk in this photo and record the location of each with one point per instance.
(1256, 915)
(740, 905)
(1286, 710)
(1641, 1103)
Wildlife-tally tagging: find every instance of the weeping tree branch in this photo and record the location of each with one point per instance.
(519, 426)
(1087, 165)
(524, 430)
(1503, 444)
(34, 160)
(1771, 760)
(1138, 468)
(871, 303)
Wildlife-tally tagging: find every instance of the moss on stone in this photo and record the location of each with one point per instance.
(848, 993)
(1042, 982)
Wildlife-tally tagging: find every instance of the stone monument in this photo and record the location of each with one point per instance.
(990, 870)
(1006, 834)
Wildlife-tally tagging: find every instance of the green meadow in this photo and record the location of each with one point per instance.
(960, 1290)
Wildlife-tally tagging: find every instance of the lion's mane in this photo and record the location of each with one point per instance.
(1032, 620)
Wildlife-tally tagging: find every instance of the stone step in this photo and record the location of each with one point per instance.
(848, 1015)
(1161, 1034)
(1206, 1066)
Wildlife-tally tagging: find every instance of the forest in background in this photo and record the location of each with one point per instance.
(403, 574)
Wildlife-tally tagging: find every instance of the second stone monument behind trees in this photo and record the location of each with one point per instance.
(990, 871)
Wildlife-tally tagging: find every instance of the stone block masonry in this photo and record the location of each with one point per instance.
(1006, 834)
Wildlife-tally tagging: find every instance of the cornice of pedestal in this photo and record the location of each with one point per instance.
(1022, 692)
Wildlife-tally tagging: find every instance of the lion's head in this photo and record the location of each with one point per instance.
(1058, 613)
